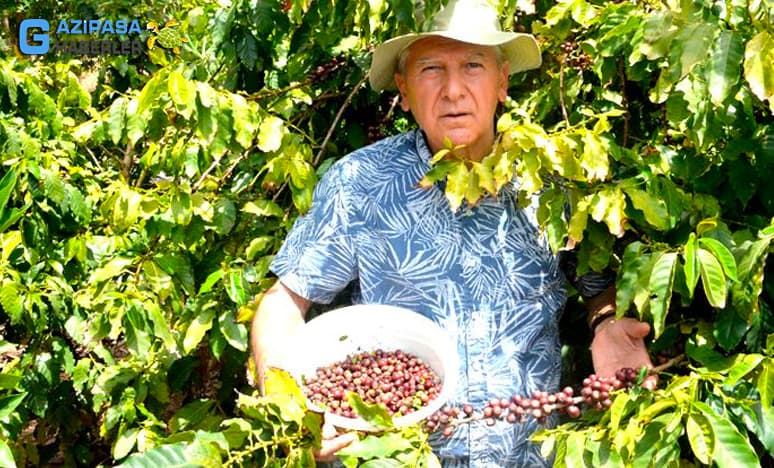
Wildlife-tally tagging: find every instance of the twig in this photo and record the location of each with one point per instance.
(561, 95)
(205, 174)
(336, 120)
(231, 168)
(395, 102)
(625, 102)
(670, 363)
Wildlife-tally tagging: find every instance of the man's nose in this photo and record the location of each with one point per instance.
(454, 85)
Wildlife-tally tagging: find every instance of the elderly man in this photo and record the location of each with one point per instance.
(484, 274)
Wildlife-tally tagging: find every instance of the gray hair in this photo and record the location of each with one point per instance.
(403, 56)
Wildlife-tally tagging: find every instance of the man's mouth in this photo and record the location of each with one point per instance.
(454, 115)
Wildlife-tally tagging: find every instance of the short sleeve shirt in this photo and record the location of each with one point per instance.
(484, 274)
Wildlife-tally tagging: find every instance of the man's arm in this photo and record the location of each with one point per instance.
(279, 315)
(617, 343)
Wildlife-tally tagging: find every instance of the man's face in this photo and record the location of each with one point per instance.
(452, 88)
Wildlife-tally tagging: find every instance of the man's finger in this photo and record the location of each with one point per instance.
(330, 446)
(637, 329)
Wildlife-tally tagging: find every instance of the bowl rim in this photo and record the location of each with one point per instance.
(448, 354)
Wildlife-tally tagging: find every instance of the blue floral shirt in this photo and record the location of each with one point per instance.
(485, 274)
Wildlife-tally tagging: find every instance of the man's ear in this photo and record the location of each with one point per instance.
(502, 92)
(400, 82)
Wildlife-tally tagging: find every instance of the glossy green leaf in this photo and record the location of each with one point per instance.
(722, 253)
(724, 66)
(11, 300)
(731, 448)
(759, 66)
(125, 443)
(190, 415)
(263, 208)
(375, 415)
(182, 92)
(197, 329)
(116, 119)
(660, 286)
(6, 456)
(653, 208)
(628, 276)
(765, 384)
(691, 265)
(179, 455)
(373, 446)
(457, 185)
(7, 184)
(700, 436)
(235, 333)
(712, 278)
(237, 287)
(9, 403)
(608, 207)
(270, 133)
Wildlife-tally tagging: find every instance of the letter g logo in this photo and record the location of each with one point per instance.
(40, 42)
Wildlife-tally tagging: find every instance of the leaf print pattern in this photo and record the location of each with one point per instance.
(484, 274)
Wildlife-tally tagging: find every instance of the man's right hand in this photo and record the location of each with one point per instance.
(332, 442)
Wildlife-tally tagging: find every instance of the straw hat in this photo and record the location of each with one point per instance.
(471, 21)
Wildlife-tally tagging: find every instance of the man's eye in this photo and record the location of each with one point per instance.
(430, 68)
(474, 65)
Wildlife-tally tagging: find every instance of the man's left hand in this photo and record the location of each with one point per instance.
(618, 343)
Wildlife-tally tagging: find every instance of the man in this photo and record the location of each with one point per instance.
(484, 273)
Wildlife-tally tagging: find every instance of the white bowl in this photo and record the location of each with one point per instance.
(338, 333)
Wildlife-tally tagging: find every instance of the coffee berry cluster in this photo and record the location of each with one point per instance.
(516, 409)
(573, 57)
(400, 381)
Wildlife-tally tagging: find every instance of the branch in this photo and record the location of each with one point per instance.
(336, 120)
(561, 94)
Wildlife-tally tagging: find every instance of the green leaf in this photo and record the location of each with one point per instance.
(235, 333)
(712, 278)
(124, 443)
(270, 135)
(236, 287)
(653, 208)
(375, 415)
(722, 253)
(11, 300)
(700, 436)
(629, 273)
(724, 66)
(575, 444)
(190, 415)
(691, 266)
(115, 120)
(731, 448)
(765, 384)
(179, 455)
(7, 183)
(182, 92)
(8, 404)
(280, 382)
(225, 216)
(759, 66)
(374, 446)
(263, 208)
(743, 365)
(6, 456)
(211, 280)
(111, 269)
(608, 207)
(197, 329)
(457, 185)
(660, 285)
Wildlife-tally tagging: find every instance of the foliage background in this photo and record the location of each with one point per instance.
(142, 199)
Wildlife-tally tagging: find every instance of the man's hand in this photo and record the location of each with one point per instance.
(618, 343)
(332, 442)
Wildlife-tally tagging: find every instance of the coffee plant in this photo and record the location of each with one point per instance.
(142, 199)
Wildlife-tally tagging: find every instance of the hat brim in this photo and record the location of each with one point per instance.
(521, 50)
